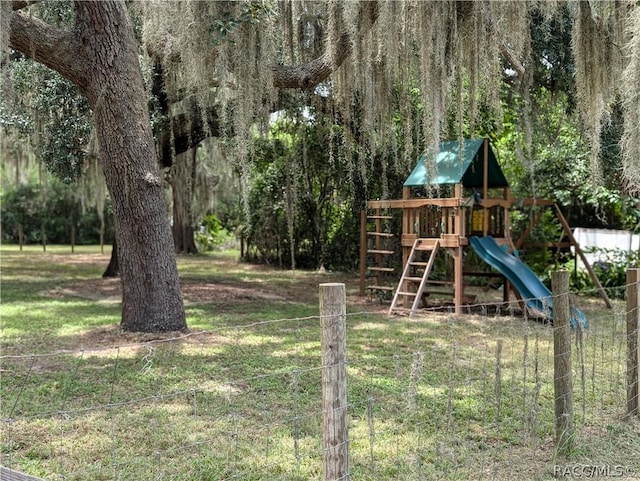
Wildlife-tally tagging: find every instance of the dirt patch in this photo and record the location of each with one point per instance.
(193, 292)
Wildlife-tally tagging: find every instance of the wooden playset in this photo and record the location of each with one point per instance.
(473, 199)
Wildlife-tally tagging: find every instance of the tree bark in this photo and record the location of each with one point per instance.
(182, 187)
(113, 269)
(309, 75)
(100, 57)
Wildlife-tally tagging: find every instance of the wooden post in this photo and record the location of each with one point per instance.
(102, 236)
(562, 378)
(594, 277)
(458, 285)
(458, 257)
(334, 382)
(377, 256)
(73, 238)
(485, 187)
(363, 251)
(20, 236)
(633, 341)
(43, 235)
(506, 195)
(498, 386)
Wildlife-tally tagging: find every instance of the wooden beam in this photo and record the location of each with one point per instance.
(458, 285)
(485, 188)
(562, 374)
(633, 342)
(458, 228)
(528, 230)
(363, 250)
(413, 203)
(593, 275)
(333, 346)
(9, 474)
(506, 195)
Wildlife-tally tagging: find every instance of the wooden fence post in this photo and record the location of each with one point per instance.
(363, 251)
(333, 310)
(633, 344)
(20, 236)
(562, 376)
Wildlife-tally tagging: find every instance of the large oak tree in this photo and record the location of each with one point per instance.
(100, 56)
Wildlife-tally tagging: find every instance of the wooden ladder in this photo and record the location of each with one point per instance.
(420, 245)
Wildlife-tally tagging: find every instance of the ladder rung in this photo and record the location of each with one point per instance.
(380, 288)
(423, 245)
(381, 269)
(402, 293)
(376, 251)
(380, 234)
(386, 217)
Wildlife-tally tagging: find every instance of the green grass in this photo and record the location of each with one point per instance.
(240, 396)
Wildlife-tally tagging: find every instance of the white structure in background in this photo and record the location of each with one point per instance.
(604, 239)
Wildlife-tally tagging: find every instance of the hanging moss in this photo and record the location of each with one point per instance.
(596, 36)
(411, 64)
(631, 102)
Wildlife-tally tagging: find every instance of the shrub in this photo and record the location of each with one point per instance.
(50, 211)
(612, 269)
(211, 233)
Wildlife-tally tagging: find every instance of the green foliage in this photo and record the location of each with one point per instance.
(211, 233)
(557, 165)
(612, 269)
(252, 12)
(299, 194)
(67, 127)
(308, 186)
(49, 211)
(55, 111)
(46, 104)
(22, 207)
(553, 67)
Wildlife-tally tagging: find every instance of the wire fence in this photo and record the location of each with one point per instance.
(431, 397)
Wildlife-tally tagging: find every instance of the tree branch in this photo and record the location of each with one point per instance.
(18, 4)
(50, 46)
(512, 59)
(306, 76)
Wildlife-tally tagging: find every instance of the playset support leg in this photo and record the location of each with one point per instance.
(363, 250)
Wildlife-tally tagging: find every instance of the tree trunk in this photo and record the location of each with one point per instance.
(151, 297)
(182, 188)
(113, 269)
(100, 56)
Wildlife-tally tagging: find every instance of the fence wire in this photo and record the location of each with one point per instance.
(431, 397)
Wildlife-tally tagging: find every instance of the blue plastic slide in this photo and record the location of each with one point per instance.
(533, 292)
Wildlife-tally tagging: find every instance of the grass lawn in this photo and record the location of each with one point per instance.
(437, 396)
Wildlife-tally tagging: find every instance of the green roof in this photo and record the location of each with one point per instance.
(458, 165)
